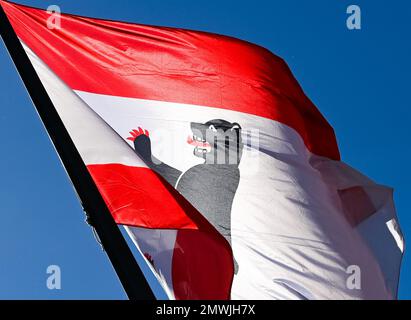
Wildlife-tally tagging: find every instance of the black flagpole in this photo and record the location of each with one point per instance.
(113, 242)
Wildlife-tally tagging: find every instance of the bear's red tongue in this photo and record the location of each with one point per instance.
(196, 143)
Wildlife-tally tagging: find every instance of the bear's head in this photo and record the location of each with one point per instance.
(217, 141)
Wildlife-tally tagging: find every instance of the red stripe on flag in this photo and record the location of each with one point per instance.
(202, 267)
(139, 197)
(174, 65)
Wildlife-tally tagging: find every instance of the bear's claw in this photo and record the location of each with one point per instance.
(136, 133)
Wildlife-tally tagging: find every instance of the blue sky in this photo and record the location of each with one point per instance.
(359, 79)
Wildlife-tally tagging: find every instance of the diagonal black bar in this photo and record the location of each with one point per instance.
(120, 255)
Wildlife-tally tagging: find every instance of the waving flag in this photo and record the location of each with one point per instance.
(227, 177)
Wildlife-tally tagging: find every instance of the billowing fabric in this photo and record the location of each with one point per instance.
(227, 178)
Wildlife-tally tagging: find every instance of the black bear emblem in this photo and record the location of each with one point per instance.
(210, 187)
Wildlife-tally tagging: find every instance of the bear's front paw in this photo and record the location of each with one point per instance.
(137, 133)
(142, 143)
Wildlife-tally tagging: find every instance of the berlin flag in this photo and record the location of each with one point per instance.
(205, 148)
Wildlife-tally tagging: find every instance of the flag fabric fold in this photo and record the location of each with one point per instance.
(226, 176)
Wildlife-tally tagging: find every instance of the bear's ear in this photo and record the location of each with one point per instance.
(235, 126)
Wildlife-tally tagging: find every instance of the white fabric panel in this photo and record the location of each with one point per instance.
(381, 231)
(159, 244)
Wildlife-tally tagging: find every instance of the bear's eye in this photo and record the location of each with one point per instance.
(211, 127)
(235, 127)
